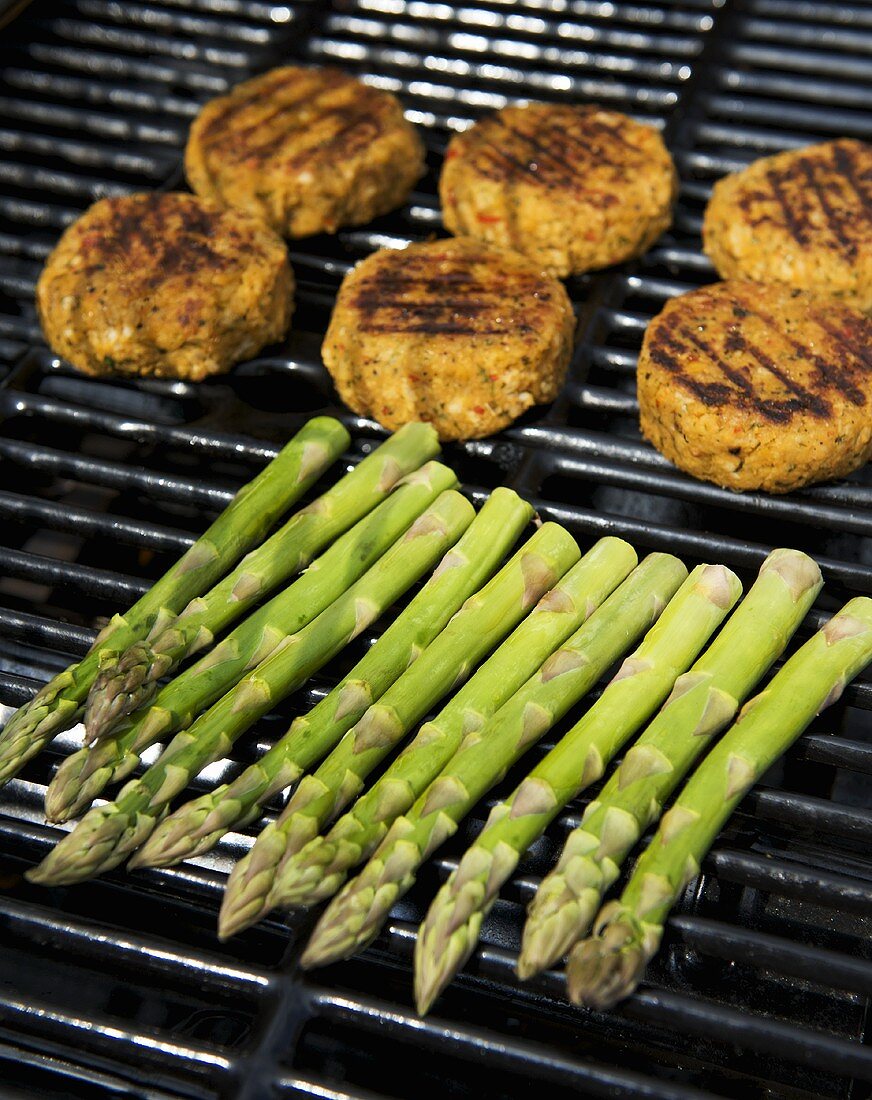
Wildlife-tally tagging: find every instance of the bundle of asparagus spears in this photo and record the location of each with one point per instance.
(505, 643)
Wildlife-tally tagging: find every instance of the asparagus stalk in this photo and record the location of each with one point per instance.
(84, 774)
(109, 833)
(198, 825)
(481, 624)
(242, 524)
(317, 871)
(128, 681)
(607, 967)
(357, 912)
(451, 928)
(703, 702)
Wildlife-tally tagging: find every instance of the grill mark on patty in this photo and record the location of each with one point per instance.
(809, 402)
(846, 166)
(383, 306)
(794, 225)
(827, 373)
(742, 393)
(435, 328)
(345, 142)
(541, 148)
(175, 234)
(329, 78)
(241, 135)
(236, 142)
(833, 218)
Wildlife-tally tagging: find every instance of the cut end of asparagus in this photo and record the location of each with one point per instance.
(798, 571)
(123, 685)
(606, 968)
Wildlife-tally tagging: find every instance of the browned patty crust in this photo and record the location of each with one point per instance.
(572, 188)
(453, 332)
(758, 387)
(802, 218)
(307, 150)
(164, 285)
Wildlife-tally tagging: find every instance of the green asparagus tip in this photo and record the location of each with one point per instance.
(247, 893)
(94, 846)
(607, 967)
(124, 684)
(446, 938)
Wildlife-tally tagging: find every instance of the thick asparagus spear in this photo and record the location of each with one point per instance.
(357, 912)
(201, 823)
(109, 833)
(607, 967)
(244, 522)
(450, 930)
(128, 681)
(317, 871)
(481, 624)
(702, 703)
(84, 774)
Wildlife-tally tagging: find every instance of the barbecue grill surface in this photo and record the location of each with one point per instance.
(120, 987)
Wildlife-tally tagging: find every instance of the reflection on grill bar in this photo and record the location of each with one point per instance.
(121, 985)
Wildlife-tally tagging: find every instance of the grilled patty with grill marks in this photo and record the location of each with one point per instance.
(758, 387)
(802, 218)
(572, 188)
(164, 285)
(454, 332)
(307, 150)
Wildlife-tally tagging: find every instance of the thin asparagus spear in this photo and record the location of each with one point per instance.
(84, 774)
(607, 967)
(244, 522)
(311, 736)
(451, 927)
(317, 871)
(703, 702)
(357, 912)
(478, 627)
(109, 833)
(128, 681)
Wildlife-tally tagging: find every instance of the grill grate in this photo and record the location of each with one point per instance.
(119, 987)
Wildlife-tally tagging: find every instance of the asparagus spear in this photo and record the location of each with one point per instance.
(311, 736)
(128, 681)
(243, 523)
(317, 871)
(357, 912)
(702, 703)
(107, 834)
(607, 967)
(450, 930)
(84, 774)
(481, 623)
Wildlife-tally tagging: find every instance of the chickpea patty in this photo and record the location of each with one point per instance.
(164, 285)
(758, 387)
(454, 332)
(307, 150)
(803, 219)
(572, 188)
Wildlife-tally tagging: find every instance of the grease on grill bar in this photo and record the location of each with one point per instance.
(762, 986)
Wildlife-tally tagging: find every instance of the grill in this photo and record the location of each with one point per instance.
(119, 987)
